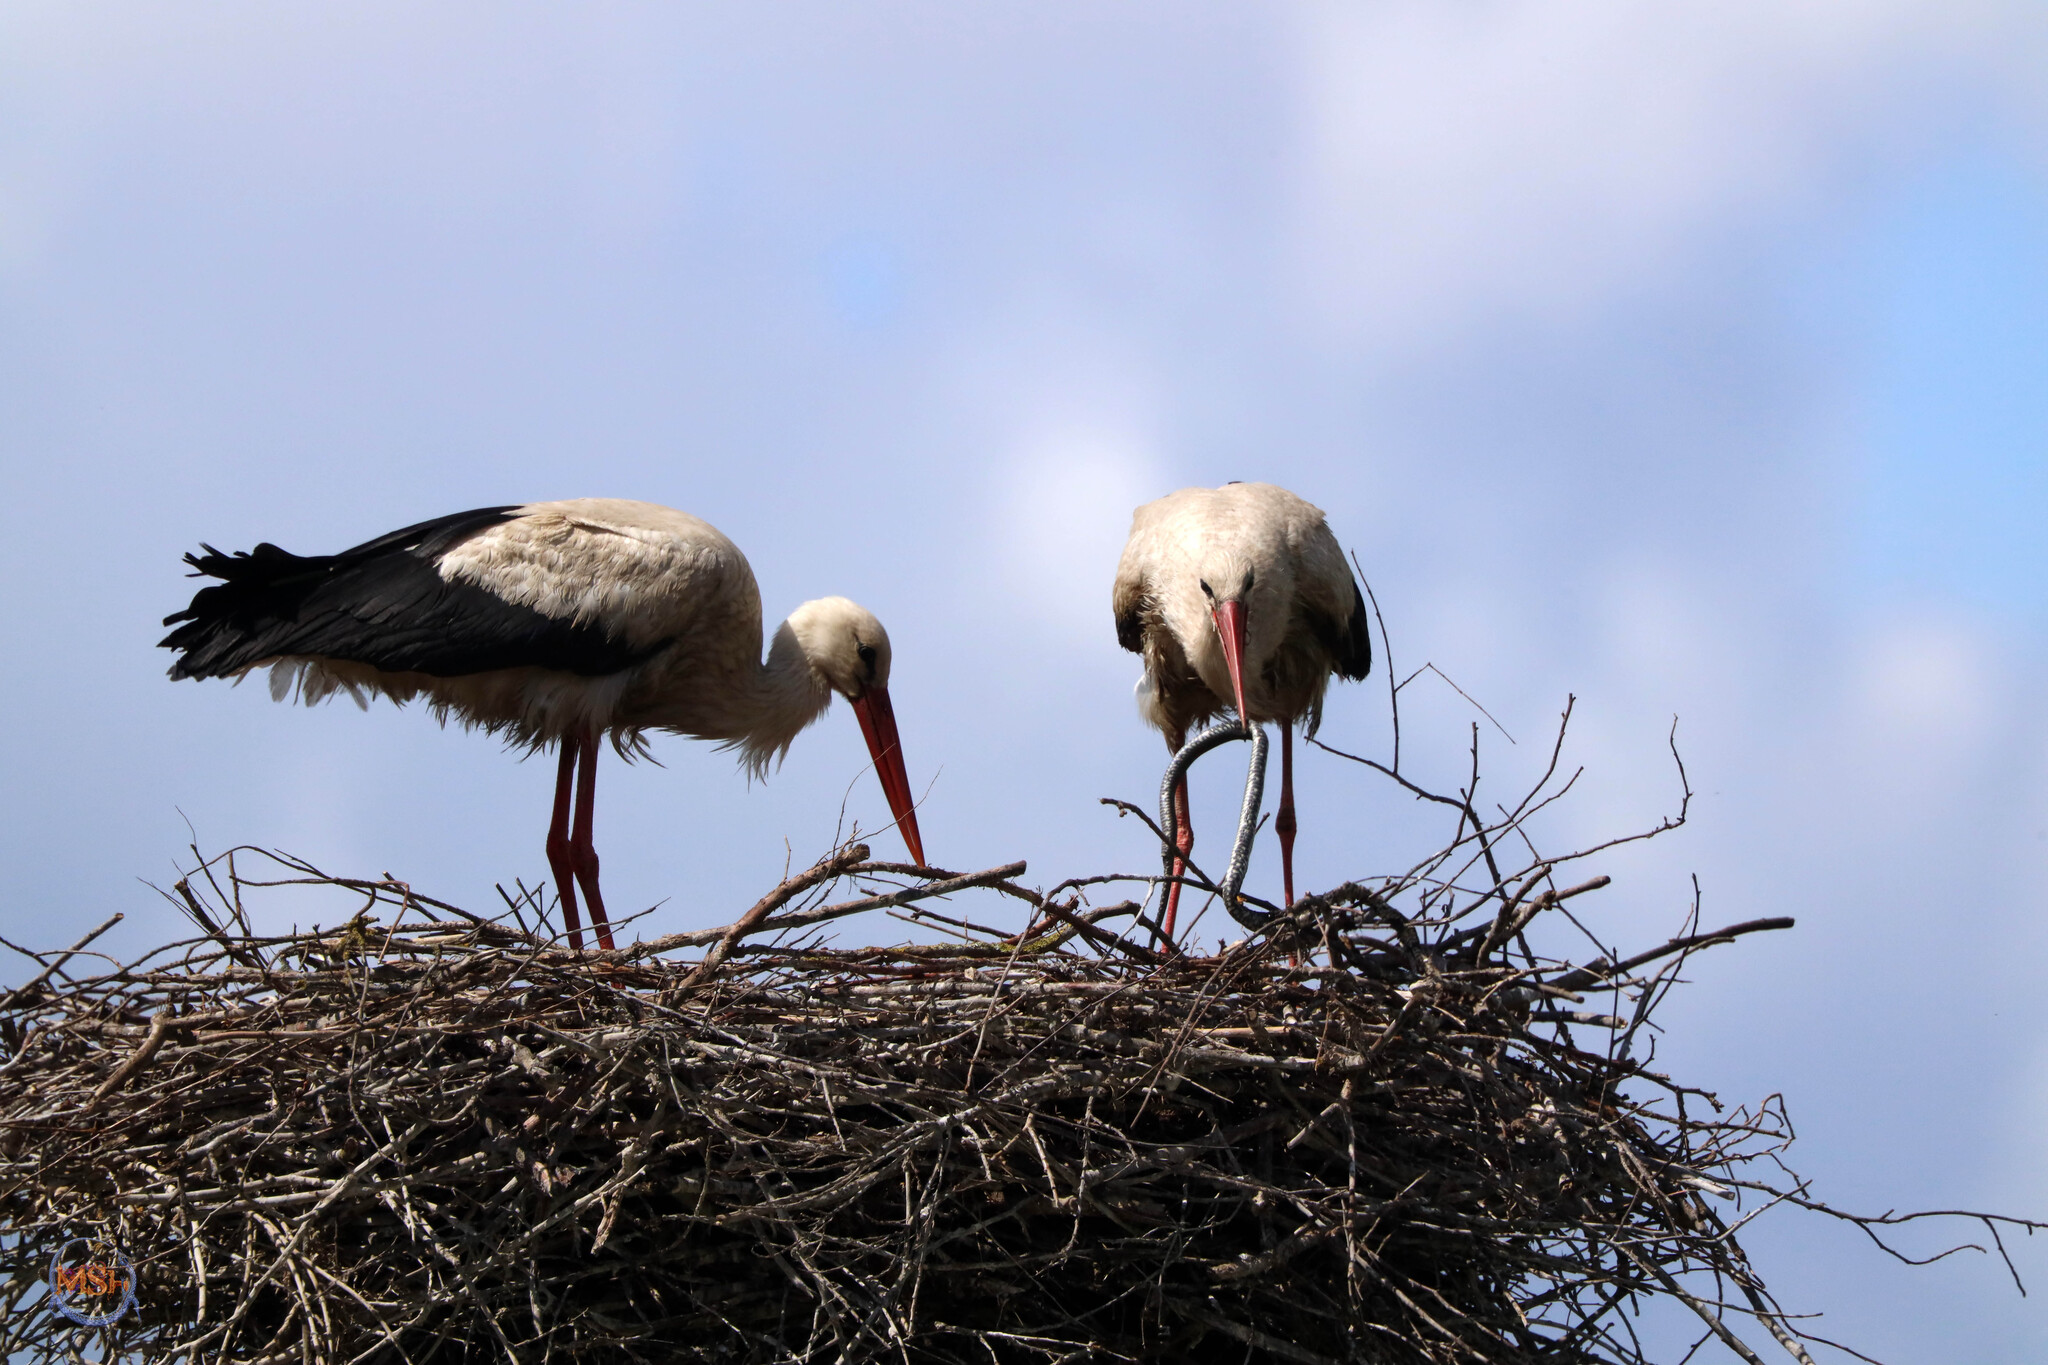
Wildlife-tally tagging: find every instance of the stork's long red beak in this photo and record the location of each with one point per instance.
(1230, 630)
(878, 723)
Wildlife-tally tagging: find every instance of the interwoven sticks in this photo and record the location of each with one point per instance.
(1384, 1132)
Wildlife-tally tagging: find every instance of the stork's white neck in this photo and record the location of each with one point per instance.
(722, 689)
(786, 695)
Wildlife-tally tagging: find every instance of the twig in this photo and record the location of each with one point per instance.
(34, 983)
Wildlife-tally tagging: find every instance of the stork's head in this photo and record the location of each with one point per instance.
(844, 644)
(1227, 582)
(847, 648)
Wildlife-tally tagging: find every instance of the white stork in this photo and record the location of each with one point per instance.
(552, 623)
(1237, 596)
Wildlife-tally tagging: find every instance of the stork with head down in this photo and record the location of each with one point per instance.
(1237, 598)
(552, 623)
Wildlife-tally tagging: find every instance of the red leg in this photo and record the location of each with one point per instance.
(1183, 840)
(559, 857)
(582, 848)
(1283, 823)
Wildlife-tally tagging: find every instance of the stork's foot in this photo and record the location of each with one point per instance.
(586, 877)
(562, 862)
(582, 844)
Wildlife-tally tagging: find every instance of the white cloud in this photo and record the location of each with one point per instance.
(1924, 686)
(1065, 508)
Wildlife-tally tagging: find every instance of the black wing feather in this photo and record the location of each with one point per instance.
(1349, 645)
(384, 604)
(1130, 628)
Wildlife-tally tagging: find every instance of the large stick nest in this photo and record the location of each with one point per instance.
(1387, 1130)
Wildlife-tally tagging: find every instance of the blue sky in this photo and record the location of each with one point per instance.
(1688, 362)
(1957, 289)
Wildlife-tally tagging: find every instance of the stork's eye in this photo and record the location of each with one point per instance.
(1249, 574)
(867, 658)
(1207, 591)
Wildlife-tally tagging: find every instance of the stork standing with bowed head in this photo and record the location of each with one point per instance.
(1237, 597)
(552, 623)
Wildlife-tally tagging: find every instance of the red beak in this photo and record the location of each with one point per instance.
(878, 723)
(1229, 618)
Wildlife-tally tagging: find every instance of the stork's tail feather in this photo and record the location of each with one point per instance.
(225, 628)
(261, 564)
